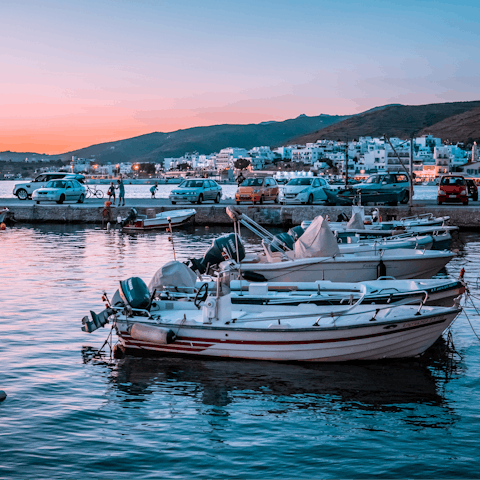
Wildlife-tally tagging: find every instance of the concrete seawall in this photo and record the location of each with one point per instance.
(209, 214)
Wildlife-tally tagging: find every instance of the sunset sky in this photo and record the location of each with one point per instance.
(78, 73)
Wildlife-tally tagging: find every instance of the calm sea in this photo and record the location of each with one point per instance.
(70, 416)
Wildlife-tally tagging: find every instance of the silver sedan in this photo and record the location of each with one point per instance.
(196, 191)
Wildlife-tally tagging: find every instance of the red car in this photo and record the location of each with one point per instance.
(452, 188)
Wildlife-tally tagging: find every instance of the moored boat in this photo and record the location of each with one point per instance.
(175, 218)
(306, 332)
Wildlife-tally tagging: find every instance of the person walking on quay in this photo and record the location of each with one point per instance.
(153, 189)
(111, 192)
(121, 192)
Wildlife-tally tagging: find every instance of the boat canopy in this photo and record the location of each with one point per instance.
(317, 241)
(356, 222)
(173, 274)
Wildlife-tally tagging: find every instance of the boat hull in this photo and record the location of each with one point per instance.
(383, 340)
(343, 269)
(177, 219)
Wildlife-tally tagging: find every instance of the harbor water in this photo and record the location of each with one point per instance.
(71, 414)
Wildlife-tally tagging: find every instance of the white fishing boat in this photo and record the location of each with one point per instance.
(305, 332)
(175, 281)
(398, 263)
(316, 256)
(174, 218)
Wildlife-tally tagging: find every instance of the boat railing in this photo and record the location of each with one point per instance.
(428, 216)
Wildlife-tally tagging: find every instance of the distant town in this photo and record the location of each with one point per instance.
(367, 155)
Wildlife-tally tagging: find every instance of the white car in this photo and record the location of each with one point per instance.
(304, 190)
(24, 190)
(66, 190)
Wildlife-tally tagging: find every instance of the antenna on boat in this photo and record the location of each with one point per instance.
(169, 220)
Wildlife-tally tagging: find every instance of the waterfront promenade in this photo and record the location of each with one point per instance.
(215, 214)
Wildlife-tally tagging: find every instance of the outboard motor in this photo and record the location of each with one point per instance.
(283, 241)
(296, 232)
(221, 248)
(134, 292)
(130, 218)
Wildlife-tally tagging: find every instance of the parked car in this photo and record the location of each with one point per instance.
(472, 189)
(60, 191)
(391, 188)
(452, 188)
(196, 191)
(25, 190)
(257, 189)
(304, 190)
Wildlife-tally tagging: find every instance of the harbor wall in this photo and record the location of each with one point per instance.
(273, 215)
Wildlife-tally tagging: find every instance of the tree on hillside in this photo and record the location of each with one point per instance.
(184, 166)
(241, 163)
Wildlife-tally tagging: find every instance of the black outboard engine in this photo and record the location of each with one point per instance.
(221, 249)
(130, 218)
(134, 292)
(296, 232)
(283, 241)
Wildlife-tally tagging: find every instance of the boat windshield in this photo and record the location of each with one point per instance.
(300, 181)
(56, 184)
(252, 182)
(191, 184)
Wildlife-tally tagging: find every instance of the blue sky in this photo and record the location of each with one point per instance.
(77, 73)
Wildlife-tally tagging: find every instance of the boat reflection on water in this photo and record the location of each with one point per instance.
(378, 386)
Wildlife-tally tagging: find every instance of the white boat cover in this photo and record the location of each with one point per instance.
(317, 241)
(173, 274)
(356, 222)
(358, 209)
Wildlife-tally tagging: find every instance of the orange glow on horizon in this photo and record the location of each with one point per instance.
(45, 138)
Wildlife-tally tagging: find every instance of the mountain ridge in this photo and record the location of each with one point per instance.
(399, 121)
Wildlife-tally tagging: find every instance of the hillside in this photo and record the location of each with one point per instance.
(464, 127)
(402, 121)
(153, 147)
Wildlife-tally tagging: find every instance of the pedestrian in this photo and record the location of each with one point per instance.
(111, 192)
(153, 189)
(121, 192)
(240, 179)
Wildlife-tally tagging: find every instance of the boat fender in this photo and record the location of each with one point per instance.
(146, 333)
(381, 269)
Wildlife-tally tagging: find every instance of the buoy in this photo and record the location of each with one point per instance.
(3, 395)
(3, 226)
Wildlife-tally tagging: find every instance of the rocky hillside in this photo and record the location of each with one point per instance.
(153, 147)
(459, 120)
(464, 127)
